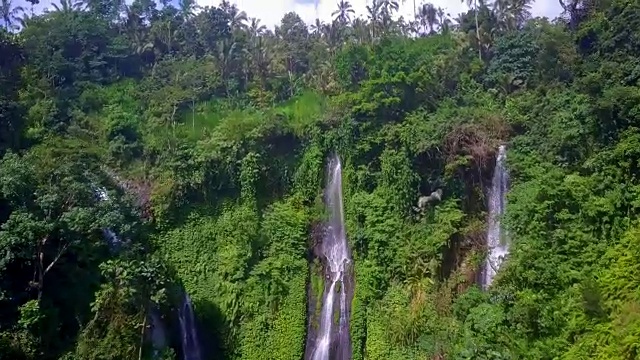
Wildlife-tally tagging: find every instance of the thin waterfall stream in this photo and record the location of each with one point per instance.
(189, 342)
(112, 239)
(497, 241)
(188, 330)
(333, 340)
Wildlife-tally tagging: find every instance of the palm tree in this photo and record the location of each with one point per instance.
(140, 44)
(415, 14)
(511, 13)
(136, 30)
(188, 9)
(9, 14)
(344, 12)
(317, 27)
(380, 15)
(388, 8)
(374, 15)
(260, 59)
(444, 20)
(238, 18)
(110, 10)
(409, 28)
(133, 21)
(428, 17)
(520, 11)
(500, 9)
(255, 28)
(323, 76)
(26, 17)
(66, 6)
(360, 31)
(331, 35)
(225, 53)
(473, 4)
(573, 8)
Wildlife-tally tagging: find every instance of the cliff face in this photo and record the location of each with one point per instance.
(139, 189)
(315, 287)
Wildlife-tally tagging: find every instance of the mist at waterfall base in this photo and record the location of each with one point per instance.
(497, 242)
(333, 340)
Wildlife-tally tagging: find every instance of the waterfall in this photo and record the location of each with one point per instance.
(188, 330)
(333, 341)
(111, 237)
(497, 242)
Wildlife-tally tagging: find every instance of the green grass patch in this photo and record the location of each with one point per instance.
(302, 112)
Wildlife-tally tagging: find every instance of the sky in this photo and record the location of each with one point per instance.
(270, 12)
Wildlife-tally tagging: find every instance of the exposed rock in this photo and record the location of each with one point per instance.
(139, 189)
(434, 197)
(423, 201)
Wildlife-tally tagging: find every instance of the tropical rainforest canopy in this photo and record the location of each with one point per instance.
(210, 134)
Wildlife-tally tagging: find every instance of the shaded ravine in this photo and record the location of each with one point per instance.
(157, 333)
(497, 242)
(332, 340)
(189, 343)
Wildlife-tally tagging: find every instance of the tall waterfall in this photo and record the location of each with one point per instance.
(188, 330)
(497, 241)
(333, 340)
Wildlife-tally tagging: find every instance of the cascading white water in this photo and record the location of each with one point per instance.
(113, 239)
(497, 241)
(188, 331)
(332, 340)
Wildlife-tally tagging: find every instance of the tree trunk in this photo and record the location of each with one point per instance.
(173, 114)
(290, 83)
(43, 271)
(475, 2)
(40, 275)
(144, 327)
(40, 267)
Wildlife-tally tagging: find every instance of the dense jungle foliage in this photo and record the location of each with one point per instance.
(211, 132)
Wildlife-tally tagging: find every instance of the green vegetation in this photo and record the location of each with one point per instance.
(211, 133)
